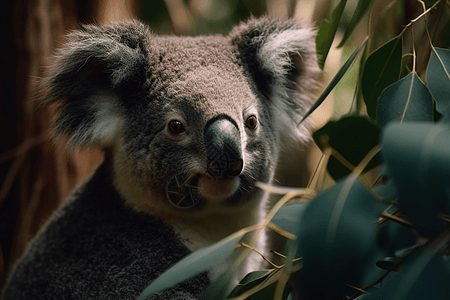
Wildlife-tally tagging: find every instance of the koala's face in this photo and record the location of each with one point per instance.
(186, 123)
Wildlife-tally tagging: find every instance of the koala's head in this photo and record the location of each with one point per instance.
(186, 123)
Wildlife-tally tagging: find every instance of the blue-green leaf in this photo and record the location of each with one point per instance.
(327, 32)
(268, 293)
(335, 80)
(422, 276)
(394, 236)
(193, 264)
(405, 100)
(360, 11)
(250, 281)
(418, 157)
(387, 191)
(337, 239)
(220, 288)
(288, 217)
(353, 137)
(438, 79)
(381, 69)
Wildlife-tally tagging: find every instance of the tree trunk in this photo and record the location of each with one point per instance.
(36, 174)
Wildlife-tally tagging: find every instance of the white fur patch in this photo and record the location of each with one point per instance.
(274, 54)
(107, 121)
(276, 58)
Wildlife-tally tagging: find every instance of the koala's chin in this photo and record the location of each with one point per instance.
(217, 189)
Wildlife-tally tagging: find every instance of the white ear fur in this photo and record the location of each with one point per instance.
(282, 52)
(103, 129)
(274, 53)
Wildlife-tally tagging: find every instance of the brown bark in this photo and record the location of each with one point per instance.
(36, 174)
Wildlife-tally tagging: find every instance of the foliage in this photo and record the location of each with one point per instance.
(348, 239)
(327, 32)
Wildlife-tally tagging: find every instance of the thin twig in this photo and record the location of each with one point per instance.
(278, 253)
(25, 146)
(396, 219)
(393, 267)
(445, 218)
(357, 289)
(281, 231)
(262, 255)
(342, 160)
(383, 219)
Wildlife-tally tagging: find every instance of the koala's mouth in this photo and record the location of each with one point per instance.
(202, 188)
(217, 188)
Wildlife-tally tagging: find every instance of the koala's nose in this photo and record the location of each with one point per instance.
(223, 148)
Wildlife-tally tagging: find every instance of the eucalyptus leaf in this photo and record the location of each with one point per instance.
(353, 137)
(422, 276)
(405, 100)
(288, 217)
(419, 160)
(220, 288)
(387, 263)
(393, 237)
(268, 293)
(429, 3)
(360, 11)
(335, 80)
(438, 79)
(327, 31)
(193, 264)
(250, 281)
(387, 191)
(381, 69)
(337, 239)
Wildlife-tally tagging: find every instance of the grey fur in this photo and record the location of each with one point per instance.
(94, 247)
(118, 87)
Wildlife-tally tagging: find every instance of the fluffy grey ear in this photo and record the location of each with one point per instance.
(91, 75)
(280, 57)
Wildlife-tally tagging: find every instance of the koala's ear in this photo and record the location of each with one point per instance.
(91, 75)
(281, 59)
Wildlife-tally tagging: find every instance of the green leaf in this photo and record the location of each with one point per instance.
(387, 262)
(220, 288)
(405, 100)
(387, 191)
(360, 11)
(268, 293)
(288, 217)
(337, 239)
(335, 80)
(353, 137)
(438, 79)
(256, 278)
(327, 32)
(381, 69)
(419, 160)
(250, 281)
(422, 276)
(193, 264)
(429, 3)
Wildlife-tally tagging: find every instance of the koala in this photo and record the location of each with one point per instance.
(188, 125)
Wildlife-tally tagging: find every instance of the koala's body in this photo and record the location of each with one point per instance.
(188, 126)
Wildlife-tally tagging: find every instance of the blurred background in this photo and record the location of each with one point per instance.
(36, 173)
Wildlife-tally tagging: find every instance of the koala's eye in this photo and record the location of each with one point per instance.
(251, 122)
(176, 127)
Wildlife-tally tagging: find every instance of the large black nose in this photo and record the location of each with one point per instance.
(223, 148)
